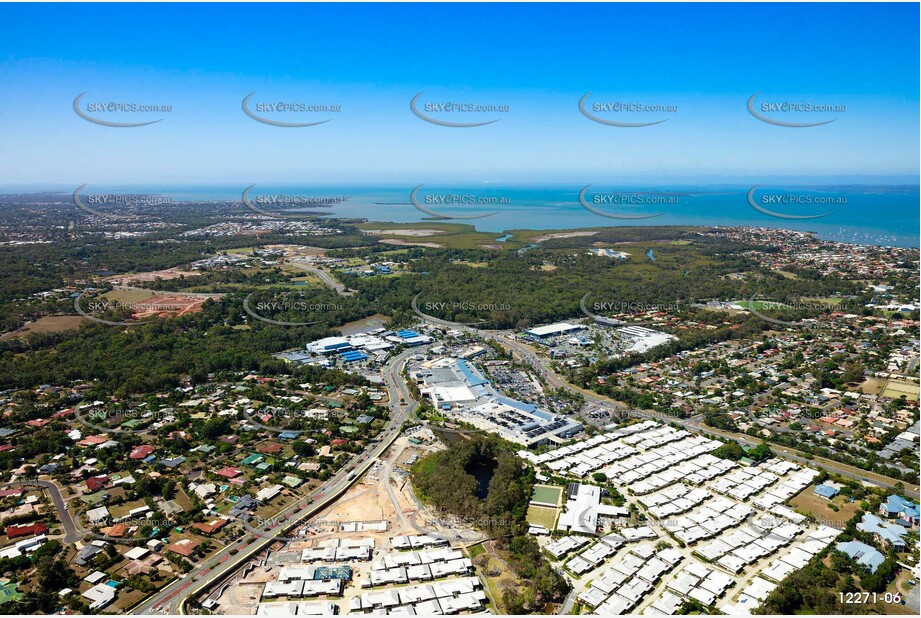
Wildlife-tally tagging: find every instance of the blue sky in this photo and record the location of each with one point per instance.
(537, 59)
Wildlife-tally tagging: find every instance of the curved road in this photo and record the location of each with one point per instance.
(73, 532)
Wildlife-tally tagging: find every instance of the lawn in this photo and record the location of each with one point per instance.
(542, 516)
(475, 550)
(896, 389)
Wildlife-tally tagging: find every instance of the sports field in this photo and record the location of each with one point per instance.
(546, 495)
(542, 516)
(896, 388)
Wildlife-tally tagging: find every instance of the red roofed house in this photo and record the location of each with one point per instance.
(38, 422)
(183, 547)
(142, 452)
(338, 441)
(211, 528)
(93, 440)
(13, 532)
(63, 413)
(269, 448)
(95, 483)
(229, 472)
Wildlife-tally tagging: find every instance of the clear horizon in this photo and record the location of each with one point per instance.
(539, 60)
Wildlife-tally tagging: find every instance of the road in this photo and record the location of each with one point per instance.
(212, 570)
(324, 276)
(72, 530)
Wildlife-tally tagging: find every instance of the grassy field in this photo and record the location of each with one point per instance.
(897, 388)
(872, 386)
(542, 516)
(475, 550)
(127, 297)
(47, 324)
(828, 301)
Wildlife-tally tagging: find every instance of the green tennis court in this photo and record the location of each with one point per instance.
(547, 495)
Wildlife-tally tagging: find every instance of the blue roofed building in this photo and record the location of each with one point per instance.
(456, 385)
(352, 356)
(886, 533)
(862, 554)
(471, 375)
(329, 345)
(825, 491)
(897, 507)
(411, 338)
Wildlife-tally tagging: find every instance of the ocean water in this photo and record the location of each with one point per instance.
(874, 215)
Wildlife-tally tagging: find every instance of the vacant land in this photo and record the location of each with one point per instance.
(165, 275)
(810, 504)
(872, 386)
(47, 324)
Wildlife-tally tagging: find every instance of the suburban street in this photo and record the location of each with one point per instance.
(212, 570)
(540, 365)
(72, 530)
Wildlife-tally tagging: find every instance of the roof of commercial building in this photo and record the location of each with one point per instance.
(553, 329)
